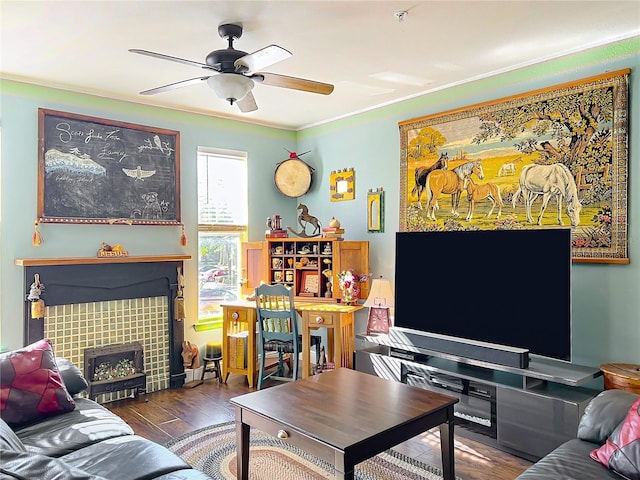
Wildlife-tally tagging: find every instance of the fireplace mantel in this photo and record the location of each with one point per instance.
(75, 280)
(36, 262)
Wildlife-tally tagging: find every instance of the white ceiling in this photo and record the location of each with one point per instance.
(359, 46)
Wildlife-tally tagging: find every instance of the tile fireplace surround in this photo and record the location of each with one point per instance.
(92, 302)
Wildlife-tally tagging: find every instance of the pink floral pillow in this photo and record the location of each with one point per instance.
(621, 452)
(31, 386)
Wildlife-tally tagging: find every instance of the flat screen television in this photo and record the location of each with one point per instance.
(507, 287)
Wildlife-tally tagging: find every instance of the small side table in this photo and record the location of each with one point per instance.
(621, 376)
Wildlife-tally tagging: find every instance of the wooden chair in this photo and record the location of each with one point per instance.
(277, 329)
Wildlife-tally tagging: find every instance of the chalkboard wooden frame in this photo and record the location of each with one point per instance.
(94, 170)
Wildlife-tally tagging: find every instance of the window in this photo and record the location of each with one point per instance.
(222, 227)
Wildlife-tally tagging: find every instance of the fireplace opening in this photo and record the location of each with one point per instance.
(115, 368)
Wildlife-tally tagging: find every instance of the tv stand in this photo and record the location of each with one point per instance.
(525, 411)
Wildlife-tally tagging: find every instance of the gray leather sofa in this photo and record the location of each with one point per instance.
(88, 442)
(571, 460)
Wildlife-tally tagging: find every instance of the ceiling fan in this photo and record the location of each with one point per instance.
(234, 72)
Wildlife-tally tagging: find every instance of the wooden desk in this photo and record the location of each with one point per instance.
(354, 417)
(337, 318)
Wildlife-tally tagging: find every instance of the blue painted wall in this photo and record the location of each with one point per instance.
(606, 325)
(606, 298)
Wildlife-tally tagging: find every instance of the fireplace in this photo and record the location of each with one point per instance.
(96, 302)
(115, 368)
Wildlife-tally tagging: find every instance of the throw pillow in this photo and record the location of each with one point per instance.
(72, 376)
(30, 385)
(621, 452)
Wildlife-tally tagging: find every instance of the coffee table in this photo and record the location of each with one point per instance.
(344, 417)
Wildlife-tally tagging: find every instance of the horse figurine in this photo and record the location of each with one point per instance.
(305, 219)
(451, 182)
(480, 192)
(422, 172)
(553, 180)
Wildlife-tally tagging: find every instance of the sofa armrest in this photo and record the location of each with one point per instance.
(603, 415)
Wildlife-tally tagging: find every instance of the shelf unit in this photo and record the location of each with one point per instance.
(308, 266)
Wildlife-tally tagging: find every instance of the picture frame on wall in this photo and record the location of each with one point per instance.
(375, 210)
(342, 185)
(94, 170)
(549, 158)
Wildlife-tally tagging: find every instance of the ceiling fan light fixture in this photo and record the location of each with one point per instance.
(230, 86)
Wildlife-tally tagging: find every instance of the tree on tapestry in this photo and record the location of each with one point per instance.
(555, 157)
(575, 131)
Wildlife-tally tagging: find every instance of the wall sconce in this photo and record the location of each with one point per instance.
(380, 300)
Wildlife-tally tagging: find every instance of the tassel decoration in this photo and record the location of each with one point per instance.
(37, 304)
(179, 312)
(36, 238)
(183, 237)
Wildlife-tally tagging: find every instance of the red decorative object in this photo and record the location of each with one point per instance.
(183, 237)
(36, 238)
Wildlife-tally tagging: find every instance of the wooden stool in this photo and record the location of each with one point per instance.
(216, 367)
(621, 376)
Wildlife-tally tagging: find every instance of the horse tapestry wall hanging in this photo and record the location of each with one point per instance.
(554, 157)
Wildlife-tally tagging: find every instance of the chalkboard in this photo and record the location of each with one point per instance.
(92, 170)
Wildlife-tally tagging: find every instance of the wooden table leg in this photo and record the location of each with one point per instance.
(447, 448)
(242, 449)
(306, 342)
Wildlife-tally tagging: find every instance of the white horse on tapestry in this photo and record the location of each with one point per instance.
(549, 181)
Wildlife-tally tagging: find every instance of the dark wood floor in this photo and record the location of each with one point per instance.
(171, 413)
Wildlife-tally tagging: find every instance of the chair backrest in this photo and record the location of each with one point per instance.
(275, 312)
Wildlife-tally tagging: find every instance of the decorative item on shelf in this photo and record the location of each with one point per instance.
(36, 238)
(37, 304)
(305, 219)
(274, 229)
(107, 250)
(342, 184)
(375, 210)
(349, 282)
(327, 272)
(380, 301)
(333, 230)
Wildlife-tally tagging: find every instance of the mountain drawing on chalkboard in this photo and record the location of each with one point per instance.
(55, 160)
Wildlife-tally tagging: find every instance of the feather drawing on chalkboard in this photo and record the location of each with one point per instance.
(138, 173)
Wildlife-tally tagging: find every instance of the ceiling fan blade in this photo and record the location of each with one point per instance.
(162, 56)
(247, 103)
(262, 58)
(173, 86)
(275, 80)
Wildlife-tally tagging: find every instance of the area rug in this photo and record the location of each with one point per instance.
(212, 450)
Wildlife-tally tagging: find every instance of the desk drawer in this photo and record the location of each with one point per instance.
(241, 314)
(322, 319)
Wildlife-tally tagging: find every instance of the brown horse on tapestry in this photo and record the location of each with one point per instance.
(421, 174)
(451, 182)
(476, 193)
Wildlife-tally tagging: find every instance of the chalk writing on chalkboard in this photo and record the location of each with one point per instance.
(92, 170)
